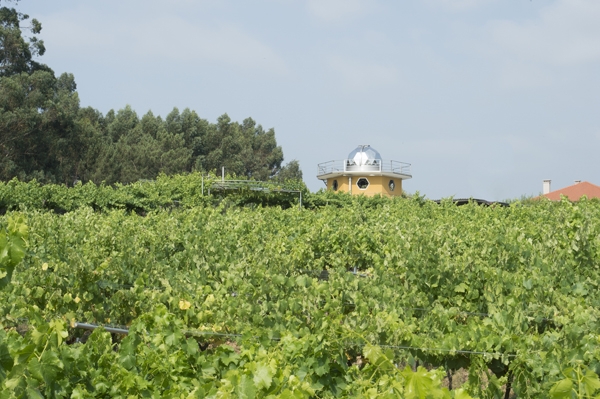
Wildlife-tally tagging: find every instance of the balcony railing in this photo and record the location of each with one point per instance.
(376, 166)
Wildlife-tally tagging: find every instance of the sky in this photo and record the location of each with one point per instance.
(484, 98)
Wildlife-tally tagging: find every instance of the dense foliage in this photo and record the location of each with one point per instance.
(244, 294)
(376, 298)
(46, 135)
(166, 192)
(12, 248)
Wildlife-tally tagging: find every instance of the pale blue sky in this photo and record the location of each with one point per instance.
(485, 98)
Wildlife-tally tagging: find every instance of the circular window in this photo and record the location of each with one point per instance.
(334, 185)
(392, 185)
(362, 183)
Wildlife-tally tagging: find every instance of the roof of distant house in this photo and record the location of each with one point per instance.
(575, 192)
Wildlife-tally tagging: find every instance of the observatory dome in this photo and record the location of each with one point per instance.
(364, 155)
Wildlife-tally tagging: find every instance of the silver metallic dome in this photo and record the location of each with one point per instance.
(365, 155)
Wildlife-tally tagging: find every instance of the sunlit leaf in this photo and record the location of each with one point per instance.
(562, 389)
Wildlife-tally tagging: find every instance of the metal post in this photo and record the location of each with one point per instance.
(92, 327)
(350, 184)
(223, 173)
(300, 199)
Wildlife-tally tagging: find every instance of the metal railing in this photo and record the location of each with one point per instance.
(253, 185)
(376, 165)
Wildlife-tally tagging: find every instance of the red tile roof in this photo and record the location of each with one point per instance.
(575, 192)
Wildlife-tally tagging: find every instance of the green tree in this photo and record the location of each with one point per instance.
(222, 147)
(39, 135)
(44, 134)
(243, 149)
(92, 127)
(192, 127)
(194, 130)
(135, 149)
(262, 155)
(16, 53)
(291, 171)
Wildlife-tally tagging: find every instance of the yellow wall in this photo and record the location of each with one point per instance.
(342, 184)
(377, 185)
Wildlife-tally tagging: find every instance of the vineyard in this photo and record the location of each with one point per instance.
(350, 297)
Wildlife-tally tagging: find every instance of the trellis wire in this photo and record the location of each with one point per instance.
(124, 331)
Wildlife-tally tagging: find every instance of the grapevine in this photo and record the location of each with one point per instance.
(359, 298)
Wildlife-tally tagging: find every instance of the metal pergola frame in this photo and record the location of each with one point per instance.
(251, 185)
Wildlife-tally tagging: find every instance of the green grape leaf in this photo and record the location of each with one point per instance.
(79, 393)
(23, 354)
(591, 383)
(34, 393)
(462, 287)
(16, 250)
(12, 248)
(4, 247)
(372, 352)
(246, 389)
(562, 389)
(128, 362)
(418, 384)
(47, 368)
(461, 394)
(60, 329)
(263, 376)
(35, 369)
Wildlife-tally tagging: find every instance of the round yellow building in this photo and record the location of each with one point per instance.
(365, 172)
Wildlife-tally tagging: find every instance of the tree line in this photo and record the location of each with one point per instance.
(46, 135)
